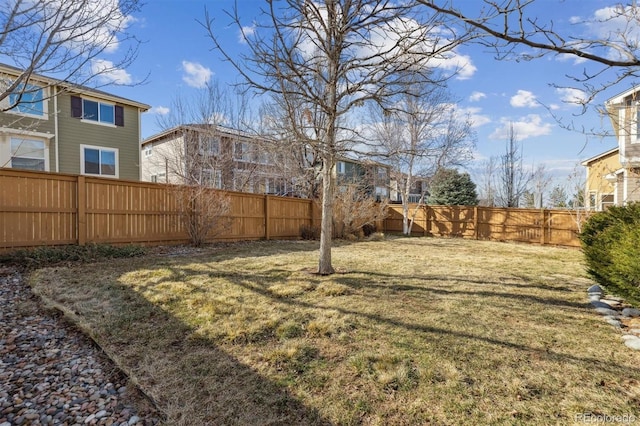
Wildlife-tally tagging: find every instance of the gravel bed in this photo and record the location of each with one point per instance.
(51, 374)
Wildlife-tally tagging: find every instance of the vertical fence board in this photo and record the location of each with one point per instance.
(53, 209)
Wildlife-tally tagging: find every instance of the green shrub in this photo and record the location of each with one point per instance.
(609, 240)
(624, 274)
(45, 256)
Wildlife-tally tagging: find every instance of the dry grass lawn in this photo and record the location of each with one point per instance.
(410, 332)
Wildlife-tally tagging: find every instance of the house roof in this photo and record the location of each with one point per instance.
(74, 88)
(619, 98)
(198, 127)
(600, 156)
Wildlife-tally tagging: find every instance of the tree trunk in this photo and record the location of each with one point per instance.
(326, 227)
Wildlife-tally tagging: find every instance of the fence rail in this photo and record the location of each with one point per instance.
(56, 209)
(542, 226)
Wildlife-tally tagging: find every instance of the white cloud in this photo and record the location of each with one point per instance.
(576, 97)
(92, 24)
(575, 20)
(246, 32)
(159, 110)
(523, 99)
(385, 41)
(108, 73)
(618, 26)
(554, 107)
(476, 96)
(474, 114)
(565, 57)
(524, 128)
(196, 75)
(460, 64)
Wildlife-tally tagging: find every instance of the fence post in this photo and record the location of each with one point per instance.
(81, 199)
(475, 223)
(267, 219)
(543, 223)
(426, 220)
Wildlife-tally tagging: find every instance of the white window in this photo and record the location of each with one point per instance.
(154, 178)
(606, 201)
(593, 204)
(98, 161)
(148, 150)
(30, 101)
(29, 154)
(241, 151)
(209, 145)
(98, 111)
(340, 167)
(381, 191)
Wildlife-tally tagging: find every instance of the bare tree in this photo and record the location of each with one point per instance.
(210, 142)
(540, 181)
(608, 41)
(487, 187)
(513, 177)
(297, 160)
(419, 135)
(324, 59)
(64, 40)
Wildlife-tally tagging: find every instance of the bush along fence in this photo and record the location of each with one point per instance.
(541, 226)
(57, 209)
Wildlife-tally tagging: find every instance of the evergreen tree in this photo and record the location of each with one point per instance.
(558, 197)
(452, 188)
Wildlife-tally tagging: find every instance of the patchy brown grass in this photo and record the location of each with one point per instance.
(411, 331)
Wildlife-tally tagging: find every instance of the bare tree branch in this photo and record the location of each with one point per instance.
(64, 40)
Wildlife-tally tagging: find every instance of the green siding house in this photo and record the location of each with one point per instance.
(51, 126)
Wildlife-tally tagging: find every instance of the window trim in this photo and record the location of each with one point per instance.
(116, 151)
(44, 100)
(77, 111)
(44, 141)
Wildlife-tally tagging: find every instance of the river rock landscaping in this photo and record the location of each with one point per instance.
(52, 374)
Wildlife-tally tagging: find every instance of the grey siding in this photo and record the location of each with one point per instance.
(73, 132)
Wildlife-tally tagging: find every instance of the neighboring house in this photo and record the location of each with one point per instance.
(613, 177)
(602, 189)
(370, 176)
(418, 190)
(49, 125)
(214, 156)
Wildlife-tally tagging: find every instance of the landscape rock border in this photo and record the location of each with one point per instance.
(618, 313)
(52, 373)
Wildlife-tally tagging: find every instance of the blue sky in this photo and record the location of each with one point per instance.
(177, 56)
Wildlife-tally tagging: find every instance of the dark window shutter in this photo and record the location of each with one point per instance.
(76, 107)
(119, 112)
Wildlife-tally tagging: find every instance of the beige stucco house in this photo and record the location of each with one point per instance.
(48, 125)
(601, 182)
(613, 177)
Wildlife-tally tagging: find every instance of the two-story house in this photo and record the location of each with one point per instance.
(603, 171)
(370, 176)
(48, 125)
(215, 156)
(613, 177)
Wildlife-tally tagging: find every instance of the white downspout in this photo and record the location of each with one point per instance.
(55, 127)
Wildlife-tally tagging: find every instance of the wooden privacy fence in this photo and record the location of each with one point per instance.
(56, 209)
(541, 226)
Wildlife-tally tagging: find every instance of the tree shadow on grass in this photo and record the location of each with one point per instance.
(540, 353)
(193, 381)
